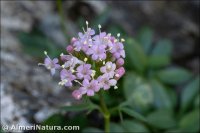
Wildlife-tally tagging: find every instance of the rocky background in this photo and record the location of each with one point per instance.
(29, 94)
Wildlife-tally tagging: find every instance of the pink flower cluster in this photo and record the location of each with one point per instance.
(94, 62)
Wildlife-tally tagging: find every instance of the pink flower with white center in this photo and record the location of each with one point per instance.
(84, 71)
(106, 83)
(118, 50)
(89, 87)
(84, 40)
(50, 64)
(66, 77)
(97, 52)
(72, 62)
(108, 69)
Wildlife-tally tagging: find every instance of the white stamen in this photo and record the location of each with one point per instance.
(93, 73)
(115, 87)
(85, 59)
(118, 35)
(45, 52)
(104, 62)
(61, 54)
(86, 22)
(63, 82)
(109, 34)
(77, 82)
(99, 26)
(63, 66)
(115, 40)
(83, 29)
(72, 70)
(122, 40)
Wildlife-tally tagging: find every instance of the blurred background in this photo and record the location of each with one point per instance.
(162, 61)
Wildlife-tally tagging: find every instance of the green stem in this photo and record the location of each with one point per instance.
(106, 113)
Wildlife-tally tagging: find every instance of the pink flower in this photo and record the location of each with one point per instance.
(106, 83)
(108, 69)
(89, 87)
(84, 71)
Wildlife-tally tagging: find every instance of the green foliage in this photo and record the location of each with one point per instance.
(135, 56)
(133, 126)
(114, 127)
(174, 75)
(35, 44)
(162, 119)
(133, 113)
(189, 93)
(161, 97)
(190, 122)
(145, 38)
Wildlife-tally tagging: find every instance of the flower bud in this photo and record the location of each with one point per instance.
(77, 94)
(120, 62)
(70, 48)
(73, 40)
(119, 73)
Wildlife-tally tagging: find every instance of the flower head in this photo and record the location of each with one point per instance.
(94, 62)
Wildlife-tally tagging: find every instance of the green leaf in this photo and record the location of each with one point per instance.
(35, 45)
(161, 97)
(114, 127)
(80, 107)
(172, 96)
(135, 56)
(189, 92)
(54, 120)
(174, 76)
(197, 101)
(190, 122)
(131, 80)
(138, 93)
(133, 126)
(92, 130)
(145, 38)
(163, 47)
(156, 61)
(133, 113)
(161, 119)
